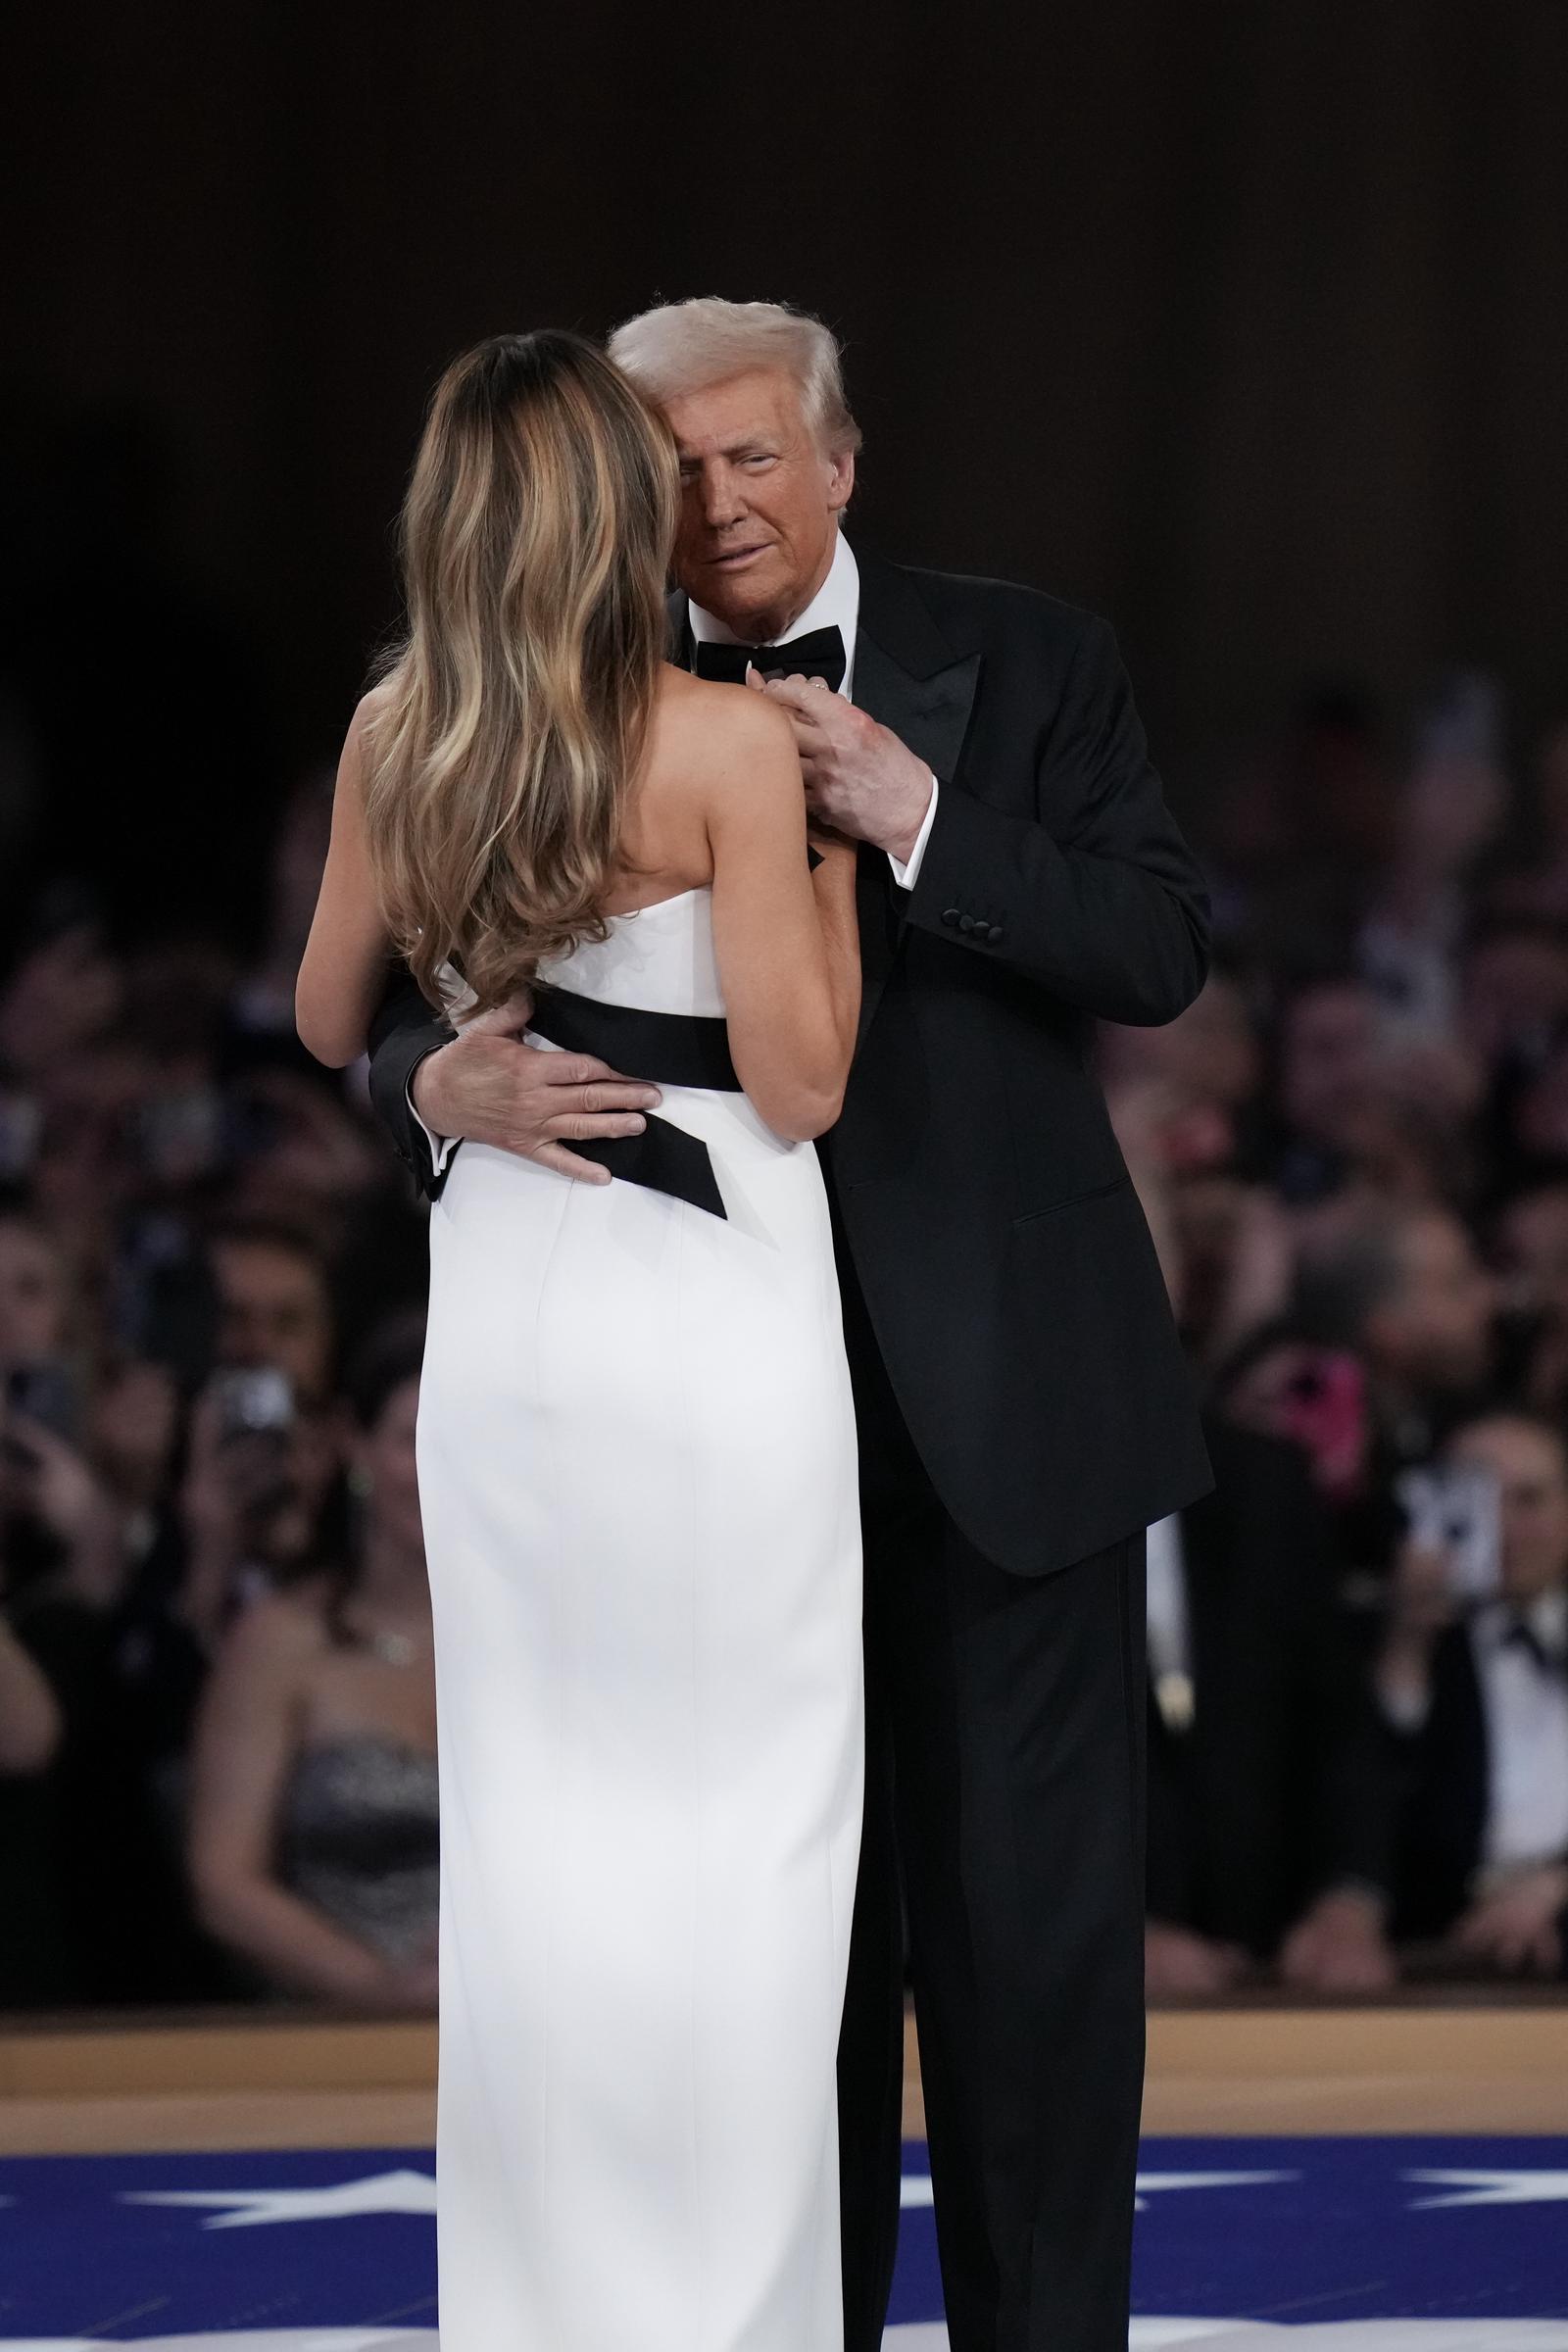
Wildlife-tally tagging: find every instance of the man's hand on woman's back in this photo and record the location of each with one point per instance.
(491, 1086)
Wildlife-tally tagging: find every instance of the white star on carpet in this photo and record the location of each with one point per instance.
(1161, 2180)
(401, 2191)
(915, 2187)
(1495, 2188)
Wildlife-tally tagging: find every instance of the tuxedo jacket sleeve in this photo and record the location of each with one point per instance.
(1093, 893)
(1441, 1769)
(403, 1030)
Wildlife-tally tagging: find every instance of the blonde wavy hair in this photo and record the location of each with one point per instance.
(511, 720)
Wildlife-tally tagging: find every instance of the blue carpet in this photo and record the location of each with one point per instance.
(1315, 2239)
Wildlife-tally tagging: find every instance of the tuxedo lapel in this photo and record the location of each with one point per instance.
(1462, 1757)
(906, 674)
(910, 679)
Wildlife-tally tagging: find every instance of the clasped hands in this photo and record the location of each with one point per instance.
(862, 783)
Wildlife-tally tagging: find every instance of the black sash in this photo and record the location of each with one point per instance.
(668, 1048)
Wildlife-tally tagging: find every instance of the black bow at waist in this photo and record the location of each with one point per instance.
(668, 1048)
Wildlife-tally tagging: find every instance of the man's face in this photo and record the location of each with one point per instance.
(32, 1294)
(1531, 1477)
(1330, 1066)
(1532, 1238)
(760, 502)
(273, 1312)
(1437, 1331)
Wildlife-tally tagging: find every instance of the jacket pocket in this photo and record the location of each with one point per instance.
(1091, 1191)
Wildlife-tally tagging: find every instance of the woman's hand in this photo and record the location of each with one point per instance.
(860, 777)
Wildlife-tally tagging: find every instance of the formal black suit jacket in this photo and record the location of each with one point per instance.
(1004, 1260)
(1283, 1787)
(1444, 1773)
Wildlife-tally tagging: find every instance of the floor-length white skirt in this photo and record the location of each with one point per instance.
(637, 1473)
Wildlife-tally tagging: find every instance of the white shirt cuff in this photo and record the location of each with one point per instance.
(906, 875)
(440, 1146)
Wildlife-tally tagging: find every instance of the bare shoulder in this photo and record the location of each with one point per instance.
(723, 735)
(375, 703)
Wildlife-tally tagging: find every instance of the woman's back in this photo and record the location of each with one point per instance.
(715, 831)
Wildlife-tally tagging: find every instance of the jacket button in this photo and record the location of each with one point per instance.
(967, 924)
(950, 915)
(994, 933)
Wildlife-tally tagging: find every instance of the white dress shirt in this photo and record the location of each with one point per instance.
(1524, 1706)
(1526, 1709)
(835, 606)
(1171, 1644)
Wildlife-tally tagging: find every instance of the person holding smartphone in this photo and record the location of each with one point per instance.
(1472, 1679)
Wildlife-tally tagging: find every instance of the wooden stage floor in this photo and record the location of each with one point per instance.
(294, 2079)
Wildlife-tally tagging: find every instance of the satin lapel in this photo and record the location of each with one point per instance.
(930, 715)
(905, 677)
(880, 924)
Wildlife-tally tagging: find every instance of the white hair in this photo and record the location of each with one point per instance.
(685, 347)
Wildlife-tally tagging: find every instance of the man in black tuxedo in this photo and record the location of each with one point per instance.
(1476, 1702)
(1024, 1406)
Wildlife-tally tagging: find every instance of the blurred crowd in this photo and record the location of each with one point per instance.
(1353, 1153)
(217, 1774)
(217, 1711)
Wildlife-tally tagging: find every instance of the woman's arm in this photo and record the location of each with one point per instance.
(786, 936)
(344, 968)
(247, 1735)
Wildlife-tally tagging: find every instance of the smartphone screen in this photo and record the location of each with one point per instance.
(1456, 1509)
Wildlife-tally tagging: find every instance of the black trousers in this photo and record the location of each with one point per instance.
(1005, 1818)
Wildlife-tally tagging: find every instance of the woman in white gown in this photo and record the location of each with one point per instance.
(636, 1437)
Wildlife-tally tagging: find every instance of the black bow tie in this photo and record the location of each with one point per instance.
(1522, 1634)
(819, 654)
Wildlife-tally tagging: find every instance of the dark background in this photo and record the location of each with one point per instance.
(1243, 323)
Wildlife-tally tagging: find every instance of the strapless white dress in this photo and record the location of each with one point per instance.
(637, 1471)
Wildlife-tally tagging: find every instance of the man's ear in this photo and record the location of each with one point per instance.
(841, 481)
